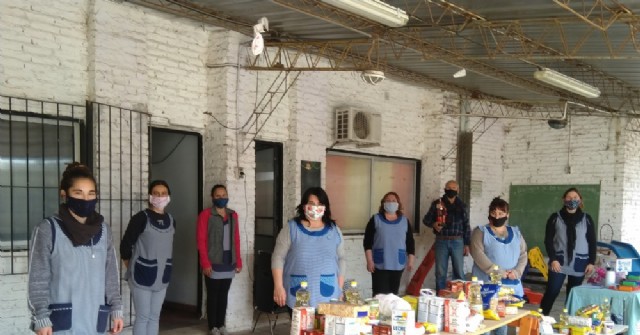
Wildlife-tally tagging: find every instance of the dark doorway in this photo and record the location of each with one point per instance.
(176, 157)
(268, 194)
(268, 223)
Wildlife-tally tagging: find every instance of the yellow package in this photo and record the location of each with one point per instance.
(413, 301)
(580, 330)
(430, 328)
(490, 315)
(536, 314)
(517, 304)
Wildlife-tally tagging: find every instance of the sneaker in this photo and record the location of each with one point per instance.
(223, 331)
(214, 331)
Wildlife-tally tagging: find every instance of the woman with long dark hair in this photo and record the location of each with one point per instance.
(74, 284)
(570, 240)
(309, 248)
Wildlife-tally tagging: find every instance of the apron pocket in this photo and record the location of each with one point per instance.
(327, 285)
(378, 256)
(166, 276)
(402, 256)
(60, 316)
(145, 271)
(103, 318)
(580, 262)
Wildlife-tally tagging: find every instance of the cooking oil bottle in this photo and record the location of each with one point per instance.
(302, 295)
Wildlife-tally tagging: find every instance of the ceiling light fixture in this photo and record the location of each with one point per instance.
(372, 77)
(460, 73)
(565, 82)
(374, 10)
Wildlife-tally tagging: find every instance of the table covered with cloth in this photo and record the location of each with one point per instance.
(623, 304)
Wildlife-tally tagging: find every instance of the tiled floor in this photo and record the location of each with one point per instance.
(176, 324)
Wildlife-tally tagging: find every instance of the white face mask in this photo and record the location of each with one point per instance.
(159, 202)
(313, 212)
(391, 207)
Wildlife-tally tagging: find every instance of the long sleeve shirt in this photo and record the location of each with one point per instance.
(370, 232)
(570, 219)
(485, 264)
(202, 237)
(283, 243)
(457, 223)
(135, 228)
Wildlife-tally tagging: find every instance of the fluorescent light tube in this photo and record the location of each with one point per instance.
(565, 82)
(374, 10)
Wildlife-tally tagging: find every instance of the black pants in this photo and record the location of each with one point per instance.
(385, 281)
(217, 297)
(554, 285)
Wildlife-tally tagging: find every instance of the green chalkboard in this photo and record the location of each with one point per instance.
(531, 205)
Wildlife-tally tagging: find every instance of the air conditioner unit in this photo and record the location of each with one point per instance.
(356, 126)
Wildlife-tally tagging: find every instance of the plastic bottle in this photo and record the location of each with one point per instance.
(563, 324)
(606, 310)
(302, 295)
(496, 275)
(351, 294)
(475, 295)
(441, 213)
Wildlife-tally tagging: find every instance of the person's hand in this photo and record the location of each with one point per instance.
(279, 295)
(409, 266)
(370, 266)
(511, 274)
(555, 266)
(437, 226)
(45, 331)
(118, 324)
(589, 269)
(238, 270)
(466, 250)
(126, 263)
(207, 271)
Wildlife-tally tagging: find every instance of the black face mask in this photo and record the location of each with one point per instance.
(81, 207)
(450, 193)
(498, 222)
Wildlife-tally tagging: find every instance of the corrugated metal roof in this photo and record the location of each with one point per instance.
(500, 42)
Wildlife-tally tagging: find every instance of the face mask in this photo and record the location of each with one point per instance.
(80, 207)
(498, 222)
(391, 207)
(159, 202)
(313, 212)
(572, 204)
(220, 202)
(450, 193)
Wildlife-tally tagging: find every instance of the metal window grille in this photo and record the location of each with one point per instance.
(38, 139)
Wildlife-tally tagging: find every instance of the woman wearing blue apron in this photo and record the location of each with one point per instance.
(499, 244)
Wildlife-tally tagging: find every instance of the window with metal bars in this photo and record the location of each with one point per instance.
(38, 139)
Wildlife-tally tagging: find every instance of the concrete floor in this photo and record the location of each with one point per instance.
(176, 324)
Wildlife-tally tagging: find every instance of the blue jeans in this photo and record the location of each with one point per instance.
(554, 285)
(444, 249)
(148, 305)
(498, 331)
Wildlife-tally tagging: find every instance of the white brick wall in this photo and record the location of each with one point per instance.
(177, 70)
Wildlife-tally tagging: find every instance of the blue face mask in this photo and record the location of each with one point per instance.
(220, 202)
(391, 207)
(80, 207)
(572, 204)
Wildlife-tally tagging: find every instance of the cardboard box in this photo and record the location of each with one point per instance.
(343, 309)
(401, 320)
(381, 330)
(338, 325)
(455, 316)
(302, 318)
(311, 332)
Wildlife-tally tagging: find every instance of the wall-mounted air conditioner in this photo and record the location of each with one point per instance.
(356, 126)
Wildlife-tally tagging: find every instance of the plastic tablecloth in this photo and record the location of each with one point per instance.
(624, 304)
